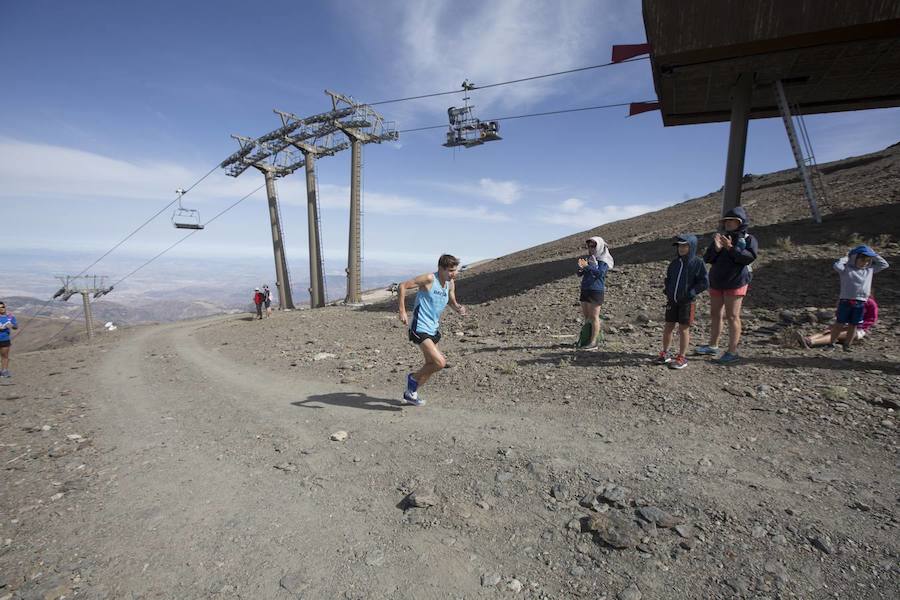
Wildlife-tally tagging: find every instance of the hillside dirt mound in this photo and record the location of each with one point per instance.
(236, 458)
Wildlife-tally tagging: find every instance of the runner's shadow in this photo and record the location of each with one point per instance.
(350, 400)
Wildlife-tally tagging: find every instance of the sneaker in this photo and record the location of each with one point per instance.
(413, 398)
(593, 346)
(829, 347)
(846, 347)
(663, 358)
(680, 362)
(411, 384)
(706, 350)
(728, 358)
(5, 373)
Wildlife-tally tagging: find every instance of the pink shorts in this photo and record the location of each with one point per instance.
(741, 291)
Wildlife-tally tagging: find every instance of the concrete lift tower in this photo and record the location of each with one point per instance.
(87, 286)
(732, 60)
(264, 157)
(306, 138)
(363, 126)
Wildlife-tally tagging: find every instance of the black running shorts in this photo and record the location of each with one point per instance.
(591, 296)
(680, 312)
(417, 337)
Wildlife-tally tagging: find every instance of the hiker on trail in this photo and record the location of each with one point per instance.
(856, 271)
(870, 317)
(267, 299)
(7, 323)
(686, 278)
(258, 299)
(592, 270)
(730, 254)
(434, 292)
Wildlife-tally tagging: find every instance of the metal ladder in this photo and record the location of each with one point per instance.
(321, 243)
(813, 184)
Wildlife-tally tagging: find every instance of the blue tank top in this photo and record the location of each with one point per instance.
(429, 306)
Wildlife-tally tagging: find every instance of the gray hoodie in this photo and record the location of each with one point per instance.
(856, 283)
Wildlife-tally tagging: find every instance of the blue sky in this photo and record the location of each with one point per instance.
(110, 106)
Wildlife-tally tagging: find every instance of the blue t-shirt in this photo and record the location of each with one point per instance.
(5, 333)
(429, 306)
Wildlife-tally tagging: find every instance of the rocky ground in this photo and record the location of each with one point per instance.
(234, 458)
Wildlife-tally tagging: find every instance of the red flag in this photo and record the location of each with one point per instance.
(622, 52)
(637, 108)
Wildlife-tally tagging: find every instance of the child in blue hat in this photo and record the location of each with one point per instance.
(856, 271)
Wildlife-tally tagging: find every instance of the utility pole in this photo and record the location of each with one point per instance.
(312, 151)
(263, 156)
(364, 126)
(87, 286)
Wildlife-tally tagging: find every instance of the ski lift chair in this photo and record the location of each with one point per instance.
(186, 218)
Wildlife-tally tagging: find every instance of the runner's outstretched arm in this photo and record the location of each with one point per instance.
(456, 305)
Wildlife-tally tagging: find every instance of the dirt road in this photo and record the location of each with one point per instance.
(198, 475)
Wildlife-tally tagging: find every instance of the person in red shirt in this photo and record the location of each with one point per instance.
(258, 299)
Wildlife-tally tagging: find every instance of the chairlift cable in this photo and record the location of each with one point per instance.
(529, 115)
(148, 221)
(222, 212)
(511, 81)
(119, 244)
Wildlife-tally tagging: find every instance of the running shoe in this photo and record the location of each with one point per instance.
(706, 350)
(593, 346)
(413, 398)
(728, 358)
(5, 373)
(829, 347)
(846, 347)
(663, 358)
(411, 384)
(679, 362)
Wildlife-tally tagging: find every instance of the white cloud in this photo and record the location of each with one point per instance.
(577, 215)
(502, 192)
(439, 43)
(337, 197)
(571, 205)
(35, 170)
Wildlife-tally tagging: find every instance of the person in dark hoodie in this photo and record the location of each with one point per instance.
(730, 255)
(686, 278)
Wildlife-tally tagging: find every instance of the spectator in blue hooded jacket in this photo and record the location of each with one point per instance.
(730, 254)
(686, 278)
(592, 270)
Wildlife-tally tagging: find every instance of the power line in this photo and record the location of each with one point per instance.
(511, 81)
(529, 115)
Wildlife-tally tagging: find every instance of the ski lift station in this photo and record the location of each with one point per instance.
(732, 60)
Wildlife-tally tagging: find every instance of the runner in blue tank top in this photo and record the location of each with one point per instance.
(435, 291)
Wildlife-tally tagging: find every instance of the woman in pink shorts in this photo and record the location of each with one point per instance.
(730, 255)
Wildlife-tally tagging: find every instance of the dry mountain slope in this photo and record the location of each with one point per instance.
(863, 200)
